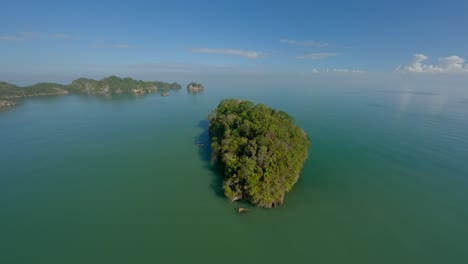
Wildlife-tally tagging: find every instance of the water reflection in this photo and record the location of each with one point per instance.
(204, 150)
(405, 99)
(431, 102)
(408, 92)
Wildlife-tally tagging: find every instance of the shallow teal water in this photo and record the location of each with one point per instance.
(120, 180)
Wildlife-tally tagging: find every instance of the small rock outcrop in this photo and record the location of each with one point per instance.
(4, 104)
(194, 87)
(138, 91)
(242, 210)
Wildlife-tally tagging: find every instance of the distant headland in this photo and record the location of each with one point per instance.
(10, 93)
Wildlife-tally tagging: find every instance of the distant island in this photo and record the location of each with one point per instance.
(194, 87)
(10, 93)
(260, 151)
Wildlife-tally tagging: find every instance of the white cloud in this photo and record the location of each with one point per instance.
(243, 53)
(29, 35)
(304, 43)
(316, 56)
(450, 64)
(123, 46)
(336, 70)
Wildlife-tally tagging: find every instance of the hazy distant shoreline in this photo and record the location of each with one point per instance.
(10, 93)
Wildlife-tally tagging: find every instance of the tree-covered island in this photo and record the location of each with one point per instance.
(116, 85)
(261, 151)
(10, 93)
(195, 87)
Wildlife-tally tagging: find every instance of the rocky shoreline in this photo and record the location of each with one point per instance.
(6, 104)
(108, 85)
(10, 93)
(194, 87)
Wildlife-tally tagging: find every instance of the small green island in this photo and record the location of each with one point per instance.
(261, 151)
(10, 94)
(195, 87)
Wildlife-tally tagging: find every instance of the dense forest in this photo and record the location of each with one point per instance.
(114, 84)
(194, 87)
(10, 91)
(260, 151)
(109, 85)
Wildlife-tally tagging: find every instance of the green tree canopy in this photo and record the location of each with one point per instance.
(261, 151)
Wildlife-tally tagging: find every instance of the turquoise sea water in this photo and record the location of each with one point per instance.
(120, 180)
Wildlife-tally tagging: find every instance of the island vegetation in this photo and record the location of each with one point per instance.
(195, 87)
(261, 151)
(116, 85)
(10, 93)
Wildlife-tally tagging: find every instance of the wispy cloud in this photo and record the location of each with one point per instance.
(243, 53)
(336, 70)
(122, 46)
(317, 56)
(305, 43)
(450, 64)
(27, 36)
(151, 68)
(30, 35)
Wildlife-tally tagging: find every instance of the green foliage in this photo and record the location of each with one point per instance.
(5, 86)
(194, 84)
(109, 85)
(261, 151)
(44, 89)
(11, 91)
(194, 87)
(114, 84)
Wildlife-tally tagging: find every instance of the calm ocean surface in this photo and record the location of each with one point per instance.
(88, 179)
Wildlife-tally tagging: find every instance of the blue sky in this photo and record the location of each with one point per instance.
(61, 37)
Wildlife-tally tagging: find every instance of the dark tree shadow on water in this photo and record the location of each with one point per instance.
(204, 150)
